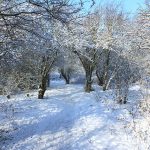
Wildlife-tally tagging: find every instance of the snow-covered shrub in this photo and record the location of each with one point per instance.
(119, 68)
(18, 81)
(7, 123)
(139, 124)
(116, 72)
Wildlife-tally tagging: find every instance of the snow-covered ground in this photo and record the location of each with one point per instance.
(68, 119)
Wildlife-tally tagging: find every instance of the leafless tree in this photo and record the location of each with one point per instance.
(23, 21)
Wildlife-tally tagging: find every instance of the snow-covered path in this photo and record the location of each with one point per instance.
(67, 119)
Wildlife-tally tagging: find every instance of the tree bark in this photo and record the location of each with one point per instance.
(100, 79)
(88, 66)
(46, 66)
(68, 81)
(106, 69)
(65, 76)
(48, 80)
(42, 87)
(88, 83)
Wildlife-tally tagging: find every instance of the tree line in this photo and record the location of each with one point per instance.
(37, 36)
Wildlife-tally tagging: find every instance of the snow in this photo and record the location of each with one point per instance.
(68, 119)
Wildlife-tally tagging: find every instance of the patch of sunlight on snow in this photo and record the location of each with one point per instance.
(87, 124)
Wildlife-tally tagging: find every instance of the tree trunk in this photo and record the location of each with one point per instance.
(88, 83)
(46, 66)
(106, 69)
(42, 87)
(100, 79)
(105, 78)
(88, 66)
(48, 80)
(66, 76)
(67, 81)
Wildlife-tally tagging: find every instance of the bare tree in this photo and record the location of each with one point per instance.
(26, 22)
(46, 66)
(87, 51)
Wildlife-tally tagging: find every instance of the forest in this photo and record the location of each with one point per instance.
(74, 75)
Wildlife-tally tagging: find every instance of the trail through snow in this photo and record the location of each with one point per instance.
(67, 119)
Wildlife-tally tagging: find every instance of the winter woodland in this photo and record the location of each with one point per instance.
(74, 75)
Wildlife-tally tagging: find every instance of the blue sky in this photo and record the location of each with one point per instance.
(129, 5)
(132, 5)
